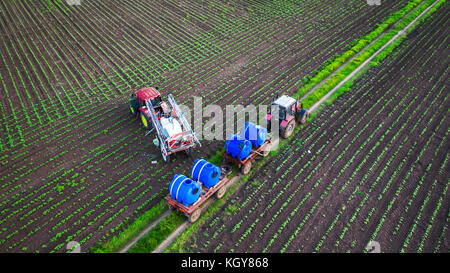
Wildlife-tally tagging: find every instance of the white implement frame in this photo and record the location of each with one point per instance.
(166, 148)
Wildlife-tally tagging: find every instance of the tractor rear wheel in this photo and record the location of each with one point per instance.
(133, 112)
(195, 215)
(133, 107)
(145, 122)
(304, 118)
(289, 129)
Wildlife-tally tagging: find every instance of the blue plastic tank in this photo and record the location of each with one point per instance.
(256, 134)
(207, 173)
(184, 190)
(238, 147)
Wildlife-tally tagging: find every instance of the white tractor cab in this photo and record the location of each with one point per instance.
(289, 112)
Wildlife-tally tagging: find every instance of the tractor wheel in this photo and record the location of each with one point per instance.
(245, 169)
(195, 215)
(133, 107)
(221, 192)
(289, 129)
(268, 125)
(145, 122)
(189, 151)
(304, 118)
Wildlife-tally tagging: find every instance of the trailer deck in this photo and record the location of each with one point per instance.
(246, 164)
(193, 211)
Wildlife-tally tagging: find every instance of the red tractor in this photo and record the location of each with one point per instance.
(138, 107)
(290, 112)
(174, 131)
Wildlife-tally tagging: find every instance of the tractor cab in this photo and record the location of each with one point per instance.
(286, 107)
(289, 113)
(151, 93)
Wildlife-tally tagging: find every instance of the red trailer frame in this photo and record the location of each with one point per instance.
(194, 211)
(246, 164)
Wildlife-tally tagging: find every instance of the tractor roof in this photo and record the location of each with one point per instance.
(284, 101)
(148, 93)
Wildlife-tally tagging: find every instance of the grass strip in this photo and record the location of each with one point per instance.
(131, 231)
(158, 234)
(380, 57)
(334, 80)
(356, 46)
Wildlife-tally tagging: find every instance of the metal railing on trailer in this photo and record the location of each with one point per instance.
(179, 113)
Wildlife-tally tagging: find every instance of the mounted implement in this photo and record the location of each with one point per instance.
(174, 134)
(290, 112)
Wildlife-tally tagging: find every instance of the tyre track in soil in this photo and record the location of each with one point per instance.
(281, 217)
